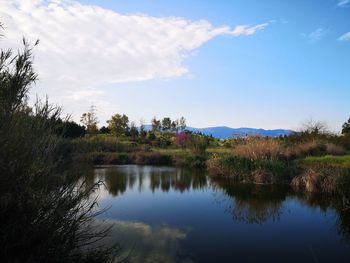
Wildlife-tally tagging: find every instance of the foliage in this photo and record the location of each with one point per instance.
(328, 160)
(199, 144)
(182, 124)
(69, 129)
(104, 130)
(90, 120)
(45, 214)
(134, 132)
(156, 125)
(118, 124)
(245, 169)
(166, 124)
(182, 138)
(346, 128)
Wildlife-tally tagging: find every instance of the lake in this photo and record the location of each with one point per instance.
(165, 214)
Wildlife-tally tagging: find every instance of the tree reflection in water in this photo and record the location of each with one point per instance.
(249, 203)
(117, 181)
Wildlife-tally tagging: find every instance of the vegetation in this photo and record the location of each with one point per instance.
(46, 214)
(312, 160)
(290, 159)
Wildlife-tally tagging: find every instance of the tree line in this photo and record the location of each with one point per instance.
(120, 125)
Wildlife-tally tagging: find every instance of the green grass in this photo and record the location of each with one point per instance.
(188, 152)
(220, 150)
(328, 160)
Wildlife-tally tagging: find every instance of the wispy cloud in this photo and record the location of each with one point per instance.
(83, 47)
(343, 3)
(344, 37)
(89, 44)
(317, 35)
(247, 30)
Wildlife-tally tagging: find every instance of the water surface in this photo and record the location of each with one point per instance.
(164, 214)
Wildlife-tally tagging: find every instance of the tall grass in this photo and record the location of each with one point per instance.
(45, 214)
(266, 148)
(259, 148)
(247, 170)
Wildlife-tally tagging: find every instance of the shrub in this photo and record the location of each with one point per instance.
(199, 144)
(46, 215)
(182, 138)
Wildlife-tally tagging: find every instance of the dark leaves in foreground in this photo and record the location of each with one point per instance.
(46, 213)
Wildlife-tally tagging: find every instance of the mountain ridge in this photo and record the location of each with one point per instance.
(225, 132)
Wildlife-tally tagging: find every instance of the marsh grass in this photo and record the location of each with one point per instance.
(247, 170)
(45, 214)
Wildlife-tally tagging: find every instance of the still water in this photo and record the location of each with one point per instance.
(164, 214)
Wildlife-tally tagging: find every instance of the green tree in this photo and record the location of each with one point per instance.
(118, 124)
(134, 132)
(143, 132)
(104, 130)
(156, 125)
(346, 128)
(166, 124)
(69, 129)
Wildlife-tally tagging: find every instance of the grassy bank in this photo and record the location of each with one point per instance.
(328, 174)
(99, 150)
(312, 165)
(323, 174)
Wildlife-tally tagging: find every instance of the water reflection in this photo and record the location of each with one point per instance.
(117, 181)
(253, 204)
(140, 242)
(247, 204)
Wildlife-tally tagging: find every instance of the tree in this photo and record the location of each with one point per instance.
(118, 124)
(175, 126)
(166, 124)
(90, 120)
(156, 125)
(134, 132)
(71, 129)
(143, 132)
(104, 130)
(182, 124)
(346, 128)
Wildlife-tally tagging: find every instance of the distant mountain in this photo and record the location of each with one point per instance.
(223, 132)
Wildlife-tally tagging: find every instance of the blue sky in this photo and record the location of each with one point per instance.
(294, 67)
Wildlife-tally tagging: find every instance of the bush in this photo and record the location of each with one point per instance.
(46, 214)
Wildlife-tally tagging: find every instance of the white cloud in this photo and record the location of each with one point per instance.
(317, 35)
(247, 30)
(343, 3)
(142, 242)
(344, 37)
(83, 47)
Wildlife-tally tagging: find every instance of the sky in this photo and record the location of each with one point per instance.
(249, 63)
